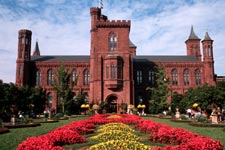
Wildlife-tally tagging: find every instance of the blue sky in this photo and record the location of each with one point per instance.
(158, 27)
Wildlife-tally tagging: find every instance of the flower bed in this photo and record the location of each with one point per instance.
(182, 139)
(3, 130)
(32, 124)
(117, 136)
(200, 124)
(180, 120)
(123, 138)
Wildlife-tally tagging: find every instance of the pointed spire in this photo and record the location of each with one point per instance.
(36, 50)
(207, 37)
(192, 35)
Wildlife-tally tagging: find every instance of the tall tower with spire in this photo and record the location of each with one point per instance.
(207, 45)
(193, 45)
(23, 57)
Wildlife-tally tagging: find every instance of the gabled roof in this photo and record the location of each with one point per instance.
(78, 58)
(161, 58)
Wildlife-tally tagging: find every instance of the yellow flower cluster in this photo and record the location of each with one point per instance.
(115, 126)
(114, 116)
(85, 106)
(141, 106)
(120, 145)
(115, 136)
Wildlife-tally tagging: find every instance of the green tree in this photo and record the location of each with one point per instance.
(220, 94)
(160, 92)
(62, 87)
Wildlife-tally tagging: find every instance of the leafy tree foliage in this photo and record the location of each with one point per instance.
(205, 96)
(63, 89)
(159, 93)
(25, 99)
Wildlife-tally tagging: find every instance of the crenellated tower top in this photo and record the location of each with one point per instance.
(101, 21)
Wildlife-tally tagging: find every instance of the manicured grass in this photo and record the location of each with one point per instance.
(212, 132)
(9, 141)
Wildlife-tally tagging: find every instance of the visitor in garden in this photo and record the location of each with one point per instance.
(223, 115)
(20, 114)
(219, 113)
(189, 113)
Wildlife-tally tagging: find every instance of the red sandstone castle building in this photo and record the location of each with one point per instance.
(113, 72)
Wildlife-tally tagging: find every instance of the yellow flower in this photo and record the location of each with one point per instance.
(195, 105)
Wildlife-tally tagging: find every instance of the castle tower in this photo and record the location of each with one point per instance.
(110, 60)
(207, 45)
(193, 45)
(23, 57)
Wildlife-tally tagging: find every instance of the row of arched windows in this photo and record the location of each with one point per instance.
(174, 76)
(186, 77)
(74, 77)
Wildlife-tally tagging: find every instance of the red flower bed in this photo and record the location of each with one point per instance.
(70, 134)
(186, 139)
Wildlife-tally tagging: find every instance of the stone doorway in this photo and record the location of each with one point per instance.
(112, 104)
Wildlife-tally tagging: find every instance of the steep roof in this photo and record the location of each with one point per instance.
(207, 37)
(161, 58)
(131, 44)
(192, 35)
(36, 50)
(77, 58)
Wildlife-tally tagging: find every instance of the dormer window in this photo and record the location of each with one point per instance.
(112, 42)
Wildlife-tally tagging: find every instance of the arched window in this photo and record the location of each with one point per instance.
(113, 71)
(74, 77)
(174, 77)
(38, 78)
(22, 40)
(49, 100)
(107, 71)
(198, 77)
(151, 77)
(186, 77)
(209, 50)
(139, 77)
(50, 80)
(86, 77)
(112, 42)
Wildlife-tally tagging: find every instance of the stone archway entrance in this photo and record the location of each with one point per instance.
(112, 104)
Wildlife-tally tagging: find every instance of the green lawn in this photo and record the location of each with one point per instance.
(9, 141)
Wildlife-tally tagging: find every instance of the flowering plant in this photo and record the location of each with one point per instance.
(141, 106)
(85, 106)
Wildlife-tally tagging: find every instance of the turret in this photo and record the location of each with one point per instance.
(207, 45)
(23, 57)
(95, 16)
(193, 45)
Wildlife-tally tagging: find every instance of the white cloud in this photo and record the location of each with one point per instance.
(157, 27)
